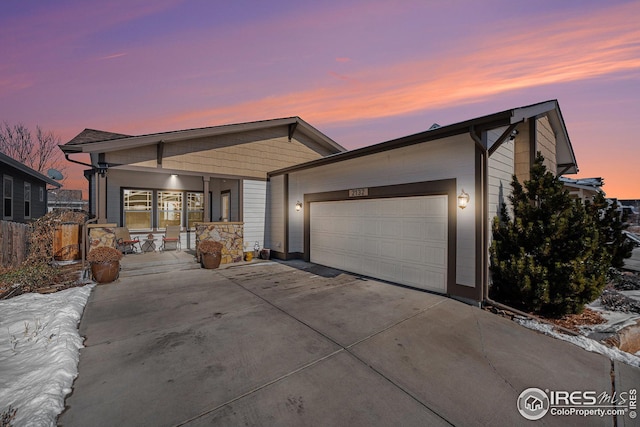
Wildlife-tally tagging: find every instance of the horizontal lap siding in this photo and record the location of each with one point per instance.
(254, 194)
(275, 218)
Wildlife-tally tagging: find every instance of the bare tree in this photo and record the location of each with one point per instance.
(39, 153)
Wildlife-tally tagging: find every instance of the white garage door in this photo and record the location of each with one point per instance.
(402, 240)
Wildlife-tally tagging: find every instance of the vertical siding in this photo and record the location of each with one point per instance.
(274, 238)
(254, 202)
(546, 140)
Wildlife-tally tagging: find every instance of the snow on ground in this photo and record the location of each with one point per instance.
(39, 353)
(581, 341)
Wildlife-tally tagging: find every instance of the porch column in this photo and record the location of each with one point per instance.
(101, 197)
(207, 199)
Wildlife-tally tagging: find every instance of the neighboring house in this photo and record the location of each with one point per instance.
(584, 188)
(68, 200)
(415, 210)
(23, 191)
(208, 174)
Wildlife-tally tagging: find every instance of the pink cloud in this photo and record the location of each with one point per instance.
(560, 52)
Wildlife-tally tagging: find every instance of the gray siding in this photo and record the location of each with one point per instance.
(38, 208)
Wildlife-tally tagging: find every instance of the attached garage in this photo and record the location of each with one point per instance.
(390, 211)
(402, 240)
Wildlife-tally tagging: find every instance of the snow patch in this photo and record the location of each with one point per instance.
(581, 341)
(39, 353)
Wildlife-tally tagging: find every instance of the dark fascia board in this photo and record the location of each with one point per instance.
(487, 122)
(27, 170)
(503, 118)
(183, 135)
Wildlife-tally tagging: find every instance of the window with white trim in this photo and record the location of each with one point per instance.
(195, 208)
(169, 208)
(225, 206)
(138, 205)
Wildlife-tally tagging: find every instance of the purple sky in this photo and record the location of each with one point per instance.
(362, 72)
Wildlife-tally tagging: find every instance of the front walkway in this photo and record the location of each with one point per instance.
(293, 344)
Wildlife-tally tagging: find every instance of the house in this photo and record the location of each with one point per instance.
(416, 210)
(68, 200)
(584, 188)
(218, 173)
(23, 191)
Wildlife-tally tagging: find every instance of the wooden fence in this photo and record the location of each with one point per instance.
(14, 237)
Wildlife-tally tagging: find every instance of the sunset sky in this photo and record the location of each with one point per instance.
(362, 72)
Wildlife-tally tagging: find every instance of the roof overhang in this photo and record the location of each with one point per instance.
(128, 142)
(565, 157)
(27, 170)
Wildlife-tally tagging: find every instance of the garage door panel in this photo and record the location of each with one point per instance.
(370, 227)
(402, 240)
(371, 247)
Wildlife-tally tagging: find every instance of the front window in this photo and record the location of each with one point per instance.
(8, 197)
(137, 209)
(225, 206)
(27, 200)
(195, 208)
(169, 208)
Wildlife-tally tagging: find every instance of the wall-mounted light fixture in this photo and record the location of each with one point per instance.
(298, 206)
(102, 168)
(463, 199)
(174, 175)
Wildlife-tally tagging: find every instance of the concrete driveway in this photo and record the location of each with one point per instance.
(293, 344)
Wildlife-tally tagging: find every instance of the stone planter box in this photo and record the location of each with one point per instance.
(230, 234)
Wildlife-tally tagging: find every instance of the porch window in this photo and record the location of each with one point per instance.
(195, 208)
(169, 208)
(27, 200)
(137, 209)
(225, 206)
(7, 183)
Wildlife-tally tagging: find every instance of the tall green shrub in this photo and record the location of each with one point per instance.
(611, 223)
(546, 259)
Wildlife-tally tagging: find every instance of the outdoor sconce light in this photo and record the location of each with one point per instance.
(102, 169)
(174, 175)
(298, 206)
(463, 200)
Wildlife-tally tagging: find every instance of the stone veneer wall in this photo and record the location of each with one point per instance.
(102, 235)
(230, 234)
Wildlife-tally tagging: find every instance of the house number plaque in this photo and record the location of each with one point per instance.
(359, 192)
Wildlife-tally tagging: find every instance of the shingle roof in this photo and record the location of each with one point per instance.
(93, 135)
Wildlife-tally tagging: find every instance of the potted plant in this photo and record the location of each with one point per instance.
(210, 253)
(105, 263)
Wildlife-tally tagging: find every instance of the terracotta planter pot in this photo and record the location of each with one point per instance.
(210, 260)
(105, 272)
(248, 256)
